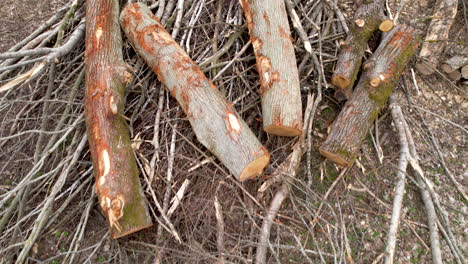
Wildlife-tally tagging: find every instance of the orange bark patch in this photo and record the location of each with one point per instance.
(233, 125)
(284, 34)
(266, 18)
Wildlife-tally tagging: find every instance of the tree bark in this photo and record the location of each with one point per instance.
(437, 35)
(381, 74)
(276, 64)
(118, 187)
(214, 120)
(369, 17)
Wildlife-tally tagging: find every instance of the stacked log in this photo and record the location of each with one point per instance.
(381, 74)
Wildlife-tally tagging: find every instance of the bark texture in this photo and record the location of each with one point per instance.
(276, 64)
(369, 17)
(118, 187)
(214, 120)
(437, 35)
(381, 74)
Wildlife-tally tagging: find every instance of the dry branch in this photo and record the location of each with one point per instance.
(214, 120)
(276, 64)
(381, 74)
(118, 187)
(369, 17)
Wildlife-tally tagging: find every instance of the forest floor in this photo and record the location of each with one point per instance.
(354, 221)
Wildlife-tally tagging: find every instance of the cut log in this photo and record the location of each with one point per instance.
(118, 187)
(380, 76)
(214, 120)
(369, 17)
(437, 35)
(276, 64)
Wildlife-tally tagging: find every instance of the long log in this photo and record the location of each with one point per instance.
(381, 74)
(214, 120)
(118, 187)
(276, 64)
(369, 17)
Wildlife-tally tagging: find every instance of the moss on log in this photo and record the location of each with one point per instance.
(369, 17)
(380, 76)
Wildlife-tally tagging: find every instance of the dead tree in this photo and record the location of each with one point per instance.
(276, 64)
(214, 120)
(381, 74)
(118, 187)
(369, 17)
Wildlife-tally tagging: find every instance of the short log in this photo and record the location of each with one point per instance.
(276, 64)
(380, 76)
(369, 17)
(118, 187)
(214, 120)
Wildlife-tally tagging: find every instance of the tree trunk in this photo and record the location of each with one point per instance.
(214, 120)
(381, 74)
(276, 64)
(369, 17)
(118, 187)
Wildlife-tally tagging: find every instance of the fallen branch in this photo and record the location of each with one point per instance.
(287, 168)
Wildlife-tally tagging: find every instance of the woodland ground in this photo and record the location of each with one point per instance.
(354, 220)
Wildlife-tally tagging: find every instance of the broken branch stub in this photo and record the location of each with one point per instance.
(118, 187)
(214, 120)
(380, 76)
(369, 17)
(276, 64)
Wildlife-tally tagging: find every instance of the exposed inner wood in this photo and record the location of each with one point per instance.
(386, 25)
(334, 157)
(282, 130)
(255, 168)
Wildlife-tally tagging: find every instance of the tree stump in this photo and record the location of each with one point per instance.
(118, 187)
(214, 120)
(276, 64)
(381, 74)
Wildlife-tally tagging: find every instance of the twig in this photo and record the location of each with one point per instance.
(220, 227)
(400, 186)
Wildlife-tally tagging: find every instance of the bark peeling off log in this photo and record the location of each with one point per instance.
(369, 17)
(214, 120)
(382, 73)
(276, 64)
(118, 187)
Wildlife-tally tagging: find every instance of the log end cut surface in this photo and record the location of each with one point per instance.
(338, 159)
(255, 168)
(116, 235)
(282, 131)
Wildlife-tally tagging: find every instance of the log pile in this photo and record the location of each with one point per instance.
(369, 17)
(380, 75)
